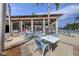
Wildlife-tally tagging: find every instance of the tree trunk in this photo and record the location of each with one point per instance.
(9, 18)
(48, 16)
(2, 25)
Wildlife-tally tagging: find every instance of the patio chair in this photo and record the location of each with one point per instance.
(68, 33)
(54, 34)
(26, 35)
(40, 44)
(38, 34)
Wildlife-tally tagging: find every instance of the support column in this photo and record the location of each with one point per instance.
(32, 25)
(56, 26)
(53, 23)
(21, 25)
(11, 26)
(52, 27)
(43, 26)
(2, 25)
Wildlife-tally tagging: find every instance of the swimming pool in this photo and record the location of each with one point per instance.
(71, 32)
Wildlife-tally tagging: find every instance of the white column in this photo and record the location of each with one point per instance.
(53, 23)
(56, 26)
(11, 26)
(32, 25)
(43, 26)
(21, 25)
(52, 27)
(2, 25)
(35, 27)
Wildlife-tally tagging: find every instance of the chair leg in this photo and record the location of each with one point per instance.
(44, 50)
(35, 49)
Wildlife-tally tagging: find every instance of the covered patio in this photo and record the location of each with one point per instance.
(32, 23)
(37, 23)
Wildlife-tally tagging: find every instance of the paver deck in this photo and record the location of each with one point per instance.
(67, 46)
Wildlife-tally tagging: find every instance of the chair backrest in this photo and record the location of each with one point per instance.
(26, 35)
(38, 34)
(67, 32)
(56, 35)
(39, 43)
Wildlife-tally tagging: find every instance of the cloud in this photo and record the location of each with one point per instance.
(68, 11)
(41, 13)
(15, 8)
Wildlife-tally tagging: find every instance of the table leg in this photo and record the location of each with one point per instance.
(50, 48)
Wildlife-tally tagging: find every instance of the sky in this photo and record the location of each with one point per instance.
(69, 11)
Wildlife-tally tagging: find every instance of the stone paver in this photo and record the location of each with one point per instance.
(71, 40)
(67, 46)
(13, 52)
(76, 50)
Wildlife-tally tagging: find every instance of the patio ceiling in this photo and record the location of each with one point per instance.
(36, 17)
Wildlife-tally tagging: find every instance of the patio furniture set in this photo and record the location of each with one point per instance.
(45, 42)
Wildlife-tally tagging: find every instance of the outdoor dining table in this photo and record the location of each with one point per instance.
(52, 40)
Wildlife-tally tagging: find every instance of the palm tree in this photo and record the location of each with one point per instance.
(73, 26)
(9, 17)
(48, 16)
(33, 14)
(77, 18)
(57, 7)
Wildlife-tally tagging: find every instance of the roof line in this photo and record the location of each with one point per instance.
(36, 15)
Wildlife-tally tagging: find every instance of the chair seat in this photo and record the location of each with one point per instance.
(54, 34)
(40, 43)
